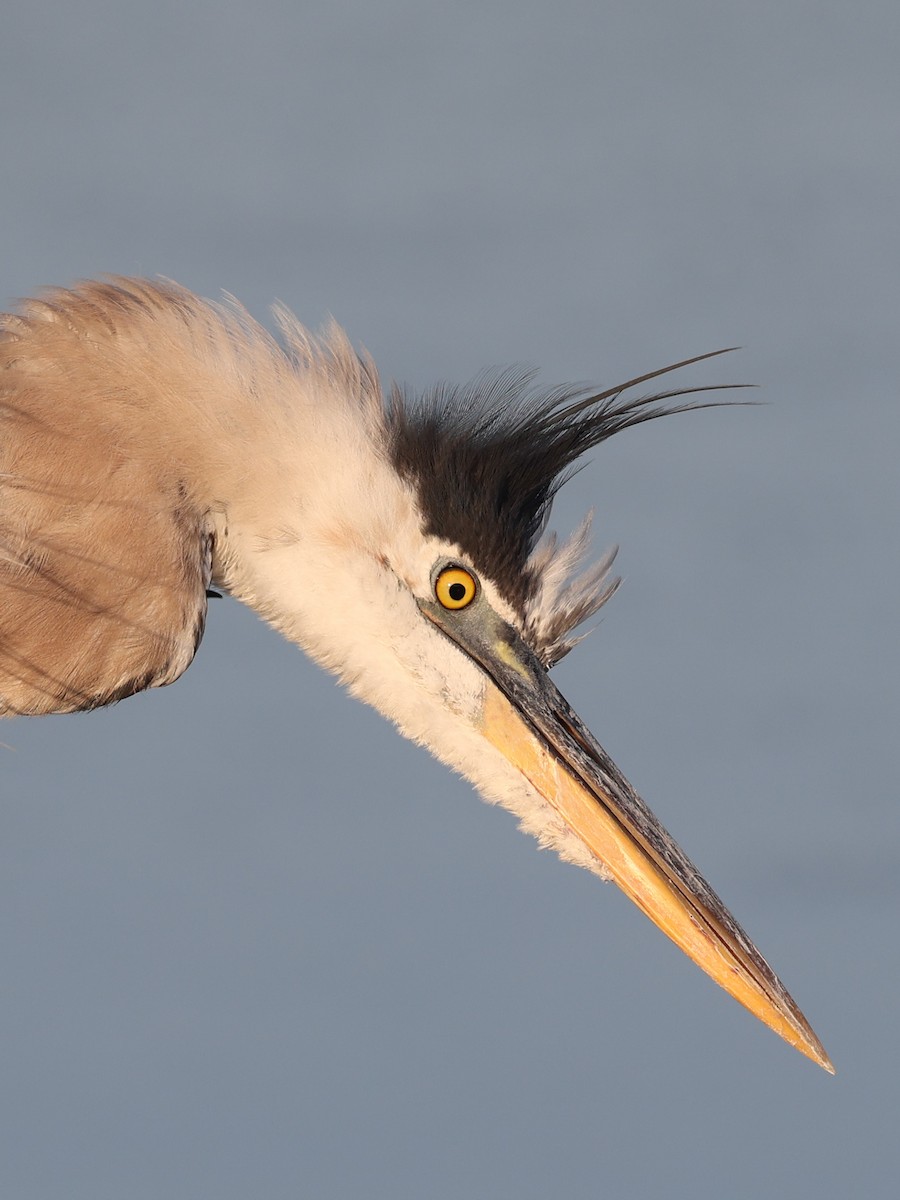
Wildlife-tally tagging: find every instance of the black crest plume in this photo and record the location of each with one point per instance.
(488, 457)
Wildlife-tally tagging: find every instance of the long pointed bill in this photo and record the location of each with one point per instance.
(529, 722)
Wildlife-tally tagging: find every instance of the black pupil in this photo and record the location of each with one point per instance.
(457, 591)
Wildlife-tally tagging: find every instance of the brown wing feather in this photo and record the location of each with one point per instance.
(104, 562)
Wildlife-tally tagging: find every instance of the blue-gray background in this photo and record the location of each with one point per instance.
(251, 943)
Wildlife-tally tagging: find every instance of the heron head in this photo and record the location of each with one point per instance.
(466, 603)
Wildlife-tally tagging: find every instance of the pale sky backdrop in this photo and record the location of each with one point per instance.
(252, 944)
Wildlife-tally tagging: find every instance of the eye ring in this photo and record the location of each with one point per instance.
(455, 588)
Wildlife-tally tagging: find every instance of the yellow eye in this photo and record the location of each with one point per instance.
(455, 587)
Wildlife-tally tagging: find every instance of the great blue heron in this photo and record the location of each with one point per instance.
(154, 445)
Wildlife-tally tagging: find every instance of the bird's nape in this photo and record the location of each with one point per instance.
(154, 446)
